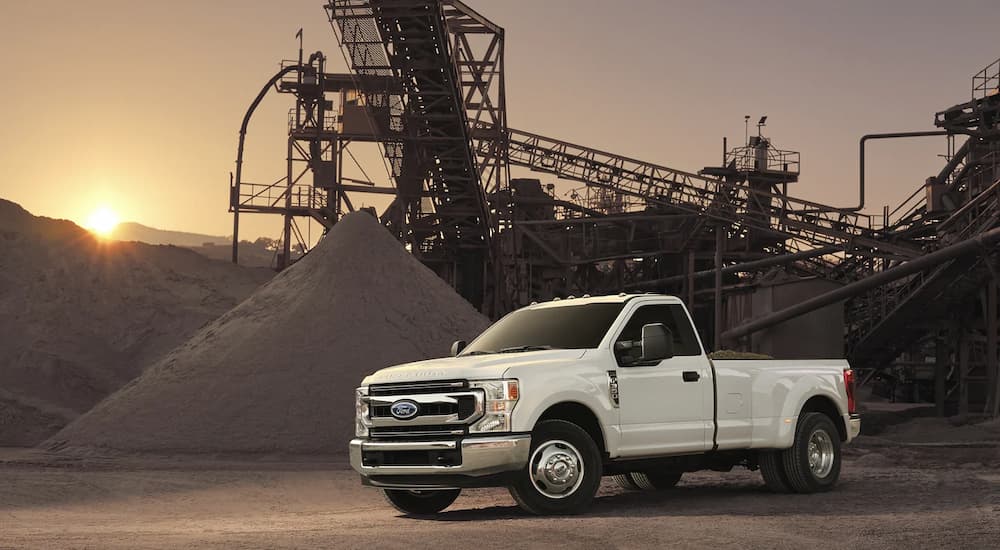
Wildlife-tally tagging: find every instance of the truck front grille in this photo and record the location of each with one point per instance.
(444, 409)
(411, 432)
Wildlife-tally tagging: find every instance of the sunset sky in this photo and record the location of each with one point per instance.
(135, 105)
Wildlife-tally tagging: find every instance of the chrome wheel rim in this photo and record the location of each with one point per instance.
(556, 469)
(821, 453)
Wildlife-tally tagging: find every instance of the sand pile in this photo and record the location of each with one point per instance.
(278, 372)
(80, 317)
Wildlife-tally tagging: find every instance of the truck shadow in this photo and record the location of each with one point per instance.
(750, 499)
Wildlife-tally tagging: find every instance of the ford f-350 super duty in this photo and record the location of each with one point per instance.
(556, 395)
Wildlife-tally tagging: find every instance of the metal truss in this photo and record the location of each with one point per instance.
(736, 203)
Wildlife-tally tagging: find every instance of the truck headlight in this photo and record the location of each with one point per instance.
(361, 414)
(501, 396)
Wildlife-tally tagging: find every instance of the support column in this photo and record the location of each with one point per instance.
(963, 374)
(690, 281)
(720, 243)
(992, 360)
(940, 371)
(286, 246)
(234, 200)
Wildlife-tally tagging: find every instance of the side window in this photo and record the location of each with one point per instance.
(685, 342)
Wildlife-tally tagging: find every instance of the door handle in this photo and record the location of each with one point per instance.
(691, 376)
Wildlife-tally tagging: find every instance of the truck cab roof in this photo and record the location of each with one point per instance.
(610, 298)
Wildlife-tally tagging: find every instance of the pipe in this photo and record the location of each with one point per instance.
(861, 158)
(957, 158)
(739, 268)
(235, 190)
(963, 248)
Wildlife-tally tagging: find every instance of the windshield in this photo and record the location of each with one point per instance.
(563, 327)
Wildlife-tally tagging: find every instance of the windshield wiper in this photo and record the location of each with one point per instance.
(519, 349)
(478, 352)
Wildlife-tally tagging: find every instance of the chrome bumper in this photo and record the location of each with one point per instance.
(481, 456)
(853, 426)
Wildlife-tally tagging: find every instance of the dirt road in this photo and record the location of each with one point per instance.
(888, 498)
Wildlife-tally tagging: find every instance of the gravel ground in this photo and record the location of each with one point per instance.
(889, 497)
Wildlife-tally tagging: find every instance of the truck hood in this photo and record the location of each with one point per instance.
(476, 367)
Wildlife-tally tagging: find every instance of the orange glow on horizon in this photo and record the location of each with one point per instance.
(102, 221)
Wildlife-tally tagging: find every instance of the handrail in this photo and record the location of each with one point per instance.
(986, 81)
(918, 191)
(744, 159)
(986, 194)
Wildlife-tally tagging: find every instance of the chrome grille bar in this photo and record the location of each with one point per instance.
(378, 403)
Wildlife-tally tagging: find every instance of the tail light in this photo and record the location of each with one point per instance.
(849, 385)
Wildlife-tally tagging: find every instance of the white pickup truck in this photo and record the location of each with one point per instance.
(556, 395)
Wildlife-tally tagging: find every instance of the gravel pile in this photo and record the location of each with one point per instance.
(80, 317)
(278, 372)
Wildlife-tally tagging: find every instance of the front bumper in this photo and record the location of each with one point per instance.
(853, 426)
(480, 456)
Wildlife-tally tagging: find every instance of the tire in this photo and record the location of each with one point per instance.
(657, 480)
(420, 503)
(569, 485)
(816, 432)
(772, 469)
(626, 481)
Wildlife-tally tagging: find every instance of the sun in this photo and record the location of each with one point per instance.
(102, 221)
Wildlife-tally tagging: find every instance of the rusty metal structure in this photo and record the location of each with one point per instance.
(426, 83)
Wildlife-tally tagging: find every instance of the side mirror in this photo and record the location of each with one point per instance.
(657, 342)
(457, 347)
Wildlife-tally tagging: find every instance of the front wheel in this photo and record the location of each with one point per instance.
(421, 503)
(563, 472)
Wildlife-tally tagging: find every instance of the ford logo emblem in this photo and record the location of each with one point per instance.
(404, 409)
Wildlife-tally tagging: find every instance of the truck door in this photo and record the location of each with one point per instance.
(666, 407)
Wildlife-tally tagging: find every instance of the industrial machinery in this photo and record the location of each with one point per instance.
(426, 84)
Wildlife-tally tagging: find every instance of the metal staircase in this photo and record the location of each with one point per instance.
(937, 307)
(428, 142)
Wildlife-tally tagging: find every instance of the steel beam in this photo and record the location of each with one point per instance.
(976, 245)
(738, 268)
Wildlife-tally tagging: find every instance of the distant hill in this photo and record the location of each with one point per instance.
(132, 231)
(259, 253)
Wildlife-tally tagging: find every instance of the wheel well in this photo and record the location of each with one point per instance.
(581, 416)
(825, 405)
